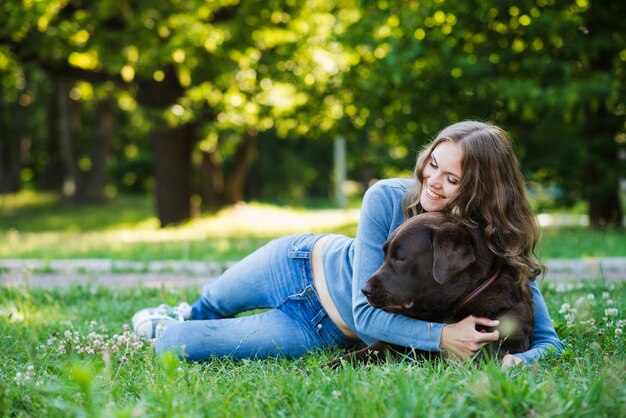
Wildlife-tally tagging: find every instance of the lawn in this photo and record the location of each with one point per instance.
(45, 227)
(68, 352)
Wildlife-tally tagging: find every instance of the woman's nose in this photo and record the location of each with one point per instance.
(434, 181)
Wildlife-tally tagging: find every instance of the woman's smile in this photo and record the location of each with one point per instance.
(433, 195)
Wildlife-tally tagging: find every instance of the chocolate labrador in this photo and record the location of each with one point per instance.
(438, 269)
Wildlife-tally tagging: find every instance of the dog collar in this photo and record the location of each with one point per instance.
(480, 289)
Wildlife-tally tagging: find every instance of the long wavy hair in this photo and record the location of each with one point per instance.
(491, 195)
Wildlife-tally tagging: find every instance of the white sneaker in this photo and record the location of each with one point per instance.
(151, 322)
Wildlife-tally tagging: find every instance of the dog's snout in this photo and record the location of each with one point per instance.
(367, 289)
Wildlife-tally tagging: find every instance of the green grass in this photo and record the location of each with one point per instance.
(45, 227)
(580, 242)
(51, 364)
(37, 379)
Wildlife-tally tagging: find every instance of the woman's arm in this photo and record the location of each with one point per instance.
(381, 214)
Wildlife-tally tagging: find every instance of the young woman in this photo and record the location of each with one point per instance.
(311, 283)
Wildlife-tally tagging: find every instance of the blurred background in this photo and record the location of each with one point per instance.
(197, 105)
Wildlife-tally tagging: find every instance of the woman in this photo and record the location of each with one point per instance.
(311, 283)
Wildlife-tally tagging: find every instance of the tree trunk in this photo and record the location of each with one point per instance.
(212, 181)
(172, 150)
(602, 124)
(244, 157)
(53, 173)
(603, 169)
(65, 138)
(220, 189)
(13, 143)
(93, 182)
(605, 210)
(19, 149)
(3, 144)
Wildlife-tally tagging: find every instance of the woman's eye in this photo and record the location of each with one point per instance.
(432, 164)
(453, 181)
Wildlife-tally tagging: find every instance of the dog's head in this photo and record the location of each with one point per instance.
(430, 261)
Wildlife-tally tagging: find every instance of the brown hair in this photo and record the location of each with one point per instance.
(492, 194)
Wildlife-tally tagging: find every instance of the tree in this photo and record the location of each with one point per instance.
(197, 69)
(211, 79)
(13, 133)
(552, 72)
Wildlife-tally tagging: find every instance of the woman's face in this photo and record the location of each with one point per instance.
(442, 176)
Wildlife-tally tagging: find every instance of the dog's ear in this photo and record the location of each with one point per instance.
(453, 251)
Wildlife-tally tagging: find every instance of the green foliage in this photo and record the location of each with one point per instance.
(550, 72)
(65, 352)
(387, 75)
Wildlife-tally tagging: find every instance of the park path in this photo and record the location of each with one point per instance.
(117, 273)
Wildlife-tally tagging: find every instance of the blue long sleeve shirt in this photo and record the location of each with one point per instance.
(349, 263)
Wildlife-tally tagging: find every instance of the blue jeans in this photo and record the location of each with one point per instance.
(278, 276)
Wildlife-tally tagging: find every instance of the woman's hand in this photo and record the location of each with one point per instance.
(509, 360)
(462, 340)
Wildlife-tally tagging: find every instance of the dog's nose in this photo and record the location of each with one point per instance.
(367, 289)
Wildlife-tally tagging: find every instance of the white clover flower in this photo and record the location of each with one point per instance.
(20, 378)
(609, 302)
(591, 297)
(565, 308)
(606, 295)
(618, 332)
(611, 312)
(96, 342)
(590, 322)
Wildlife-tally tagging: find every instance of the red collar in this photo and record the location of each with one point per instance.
(480, 289)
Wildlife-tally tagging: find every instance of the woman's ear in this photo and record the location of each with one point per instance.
(453, 251)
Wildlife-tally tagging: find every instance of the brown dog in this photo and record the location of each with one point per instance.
(439, 269)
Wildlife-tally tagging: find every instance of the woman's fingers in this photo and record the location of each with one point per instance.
(483, 335)
(509, 361)
(485, 322)
(462, 339)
